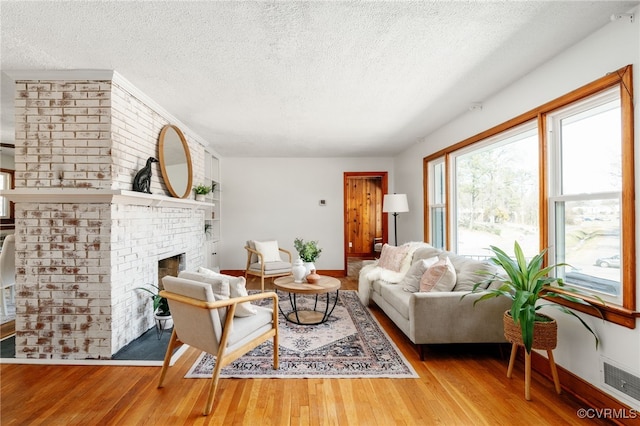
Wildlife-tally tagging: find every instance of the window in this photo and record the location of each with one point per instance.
(496, 191)
(437, 209)
(559, 177)
(6, 207)
(585, 185)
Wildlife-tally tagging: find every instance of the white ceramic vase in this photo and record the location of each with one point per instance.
(309, 266)
(299, 271)
(200, 197)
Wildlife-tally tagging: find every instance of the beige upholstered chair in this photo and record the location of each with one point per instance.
(7, 272)
(207, 324)
(265, 261)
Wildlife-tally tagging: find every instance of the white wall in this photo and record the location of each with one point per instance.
(278, 198)
(614, 46)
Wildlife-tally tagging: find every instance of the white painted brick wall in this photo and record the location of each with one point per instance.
(78, 264)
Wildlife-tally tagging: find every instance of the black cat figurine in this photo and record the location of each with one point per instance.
(142, 181)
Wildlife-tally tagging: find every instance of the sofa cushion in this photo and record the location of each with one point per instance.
(425, 252)
(411, 281)
(469, 272)
(441, 276)
(237, 288)
(396, 297)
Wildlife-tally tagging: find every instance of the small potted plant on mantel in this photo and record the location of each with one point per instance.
(201, 191)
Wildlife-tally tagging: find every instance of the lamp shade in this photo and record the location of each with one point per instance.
(395, 203)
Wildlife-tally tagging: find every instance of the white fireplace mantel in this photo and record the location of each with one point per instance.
(103, 196)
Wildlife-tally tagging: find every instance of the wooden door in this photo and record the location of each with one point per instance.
(364, 220)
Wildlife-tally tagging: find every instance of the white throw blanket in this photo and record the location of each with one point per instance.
(364, 285)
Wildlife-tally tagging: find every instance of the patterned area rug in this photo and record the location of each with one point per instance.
(351, 344)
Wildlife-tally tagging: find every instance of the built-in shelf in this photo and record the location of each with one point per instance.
(108, 196)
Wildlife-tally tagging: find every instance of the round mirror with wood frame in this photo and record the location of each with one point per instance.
(175, 161)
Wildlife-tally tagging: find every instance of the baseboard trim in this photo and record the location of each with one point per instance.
(584, 391)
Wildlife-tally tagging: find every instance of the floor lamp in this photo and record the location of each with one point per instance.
(395, 203)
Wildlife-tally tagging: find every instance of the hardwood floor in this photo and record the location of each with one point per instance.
(458, 385)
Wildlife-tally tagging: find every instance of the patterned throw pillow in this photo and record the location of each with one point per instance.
(392, 257)
(411, 281)
(441, 276)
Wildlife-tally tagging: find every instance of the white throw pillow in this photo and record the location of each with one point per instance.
(219, 287)
(237, 288)
(441, 276)
(219, 283)
(269, 251)
(411, 281)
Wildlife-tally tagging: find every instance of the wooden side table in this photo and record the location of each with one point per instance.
(317, 315)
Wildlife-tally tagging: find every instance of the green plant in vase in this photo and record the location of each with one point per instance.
(308, 251)
(160, 304)
(526, 284)
(202, 189)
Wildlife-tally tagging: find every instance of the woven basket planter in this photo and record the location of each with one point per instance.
(545, 334)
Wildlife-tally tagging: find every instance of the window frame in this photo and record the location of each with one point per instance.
(8, 222)
(432, 205)
(624, 314)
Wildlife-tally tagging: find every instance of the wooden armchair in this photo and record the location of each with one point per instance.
(209, 325)
(264, 266)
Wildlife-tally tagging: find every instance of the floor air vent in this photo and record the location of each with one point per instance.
(622, 381)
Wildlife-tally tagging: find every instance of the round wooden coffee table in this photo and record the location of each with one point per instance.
(321, 311)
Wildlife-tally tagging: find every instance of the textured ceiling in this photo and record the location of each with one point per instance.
(301, 79)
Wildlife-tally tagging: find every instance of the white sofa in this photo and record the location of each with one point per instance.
(435, 317)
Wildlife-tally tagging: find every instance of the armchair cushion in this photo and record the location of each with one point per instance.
(269, 251)
(237, 288)
(248, 328)
(198, 327)
(252, 245)
(272, 267)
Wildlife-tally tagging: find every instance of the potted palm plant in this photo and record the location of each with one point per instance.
(525, 284)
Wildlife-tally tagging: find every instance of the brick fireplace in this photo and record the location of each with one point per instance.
(84, 241)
